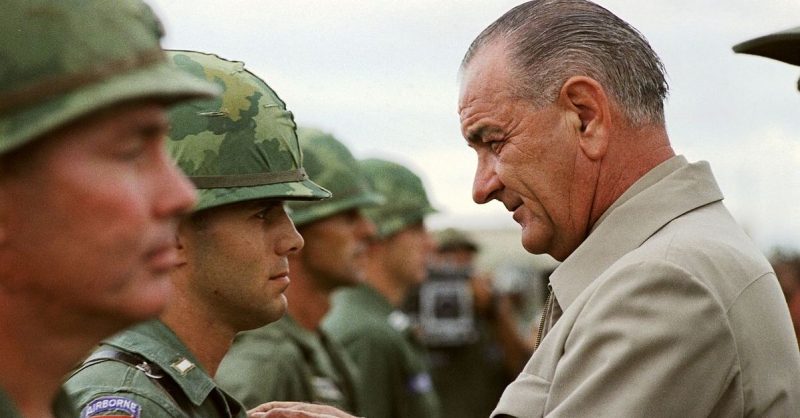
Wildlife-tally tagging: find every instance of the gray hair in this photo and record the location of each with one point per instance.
(552, 40)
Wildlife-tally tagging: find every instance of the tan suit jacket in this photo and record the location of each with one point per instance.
(668, 311)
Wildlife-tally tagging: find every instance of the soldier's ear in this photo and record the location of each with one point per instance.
(587, 105)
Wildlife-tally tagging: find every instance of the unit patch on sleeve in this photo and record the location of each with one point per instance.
(112, 407)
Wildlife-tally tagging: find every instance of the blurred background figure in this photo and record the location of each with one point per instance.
(454, 310)
(787, 268)
(782, 46)
(293, 359)
(367, 319)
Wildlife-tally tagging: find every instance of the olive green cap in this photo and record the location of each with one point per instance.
(406, 200)
(331, 165)
(452, 239)
(240, 146)
(782, 46)
(62, 60)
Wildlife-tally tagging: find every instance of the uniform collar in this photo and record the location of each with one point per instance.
(303, 337)
(369, 298)
(666, 192)
(156, 342)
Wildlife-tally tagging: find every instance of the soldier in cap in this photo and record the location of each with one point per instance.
(293, 359)
(395, 378)
(89, 199)
(241, 152)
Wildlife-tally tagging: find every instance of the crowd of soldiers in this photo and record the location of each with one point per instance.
(155, 204)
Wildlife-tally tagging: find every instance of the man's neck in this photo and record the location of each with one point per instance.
(39, 345)
(308, 302)
(205, 336)
(634, 153)
(379, 278)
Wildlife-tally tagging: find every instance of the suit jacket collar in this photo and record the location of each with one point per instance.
(666, 192)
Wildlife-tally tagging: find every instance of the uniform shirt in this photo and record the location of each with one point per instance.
(395, 375)
(62, 407)
(285, 362)
(668, 311)
(115, 388)
(469, 378)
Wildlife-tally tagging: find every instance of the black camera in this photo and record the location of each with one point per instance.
(446, 312)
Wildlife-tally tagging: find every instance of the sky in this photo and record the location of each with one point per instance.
(381, 75)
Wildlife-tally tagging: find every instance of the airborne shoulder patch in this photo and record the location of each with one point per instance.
(112, 407)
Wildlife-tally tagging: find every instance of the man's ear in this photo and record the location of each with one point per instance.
(586, 100)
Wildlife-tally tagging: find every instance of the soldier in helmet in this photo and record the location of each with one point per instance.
(366, 319)
(89, 200)
(241, 152)
(293, 359)
(782, 46)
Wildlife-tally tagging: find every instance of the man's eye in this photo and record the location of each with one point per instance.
(268, 211)
(131, 152)
(496, 146)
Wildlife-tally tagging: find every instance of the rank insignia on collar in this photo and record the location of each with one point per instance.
(112, 407)
(182, 365)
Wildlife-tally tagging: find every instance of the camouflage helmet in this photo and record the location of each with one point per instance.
(332, 165)
(240, 146)
(62, 60)
(407, 202)
(782, 46)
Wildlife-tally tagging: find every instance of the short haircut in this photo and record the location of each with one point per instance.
(552, 40)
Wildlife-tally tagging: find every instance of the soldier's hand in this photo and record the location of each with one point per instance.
(296, 410)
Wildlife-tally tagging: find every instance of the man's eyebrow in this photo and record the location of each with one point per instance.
(476, 135)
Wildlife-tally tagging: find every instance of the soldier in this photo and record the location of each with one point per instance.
(293, 359)
(365, 319)
(782, 46)
(89, 200)
(241, 152)
(458, 315)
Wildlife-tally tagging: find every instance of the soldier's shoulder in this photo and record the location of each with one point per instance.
(114, 388)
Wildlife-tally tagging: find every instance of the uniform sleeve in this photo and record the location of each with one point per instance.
(111, 388)
(651, 341)
(255, 374)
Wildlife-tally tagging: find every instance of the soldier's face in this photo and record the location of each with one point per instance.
(407, 254)
(89, 215)
(334, 249)
(236, 258)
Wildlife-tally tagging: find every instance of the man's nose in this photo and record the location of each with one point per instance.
(486, 181)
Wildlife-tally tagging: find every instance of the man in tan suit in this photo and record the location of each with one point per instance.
(662, 306)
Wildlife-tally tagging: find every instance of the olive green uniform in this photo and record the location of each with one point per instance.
(286, 362)
(62, 407)
(179, 387)
(395, 379)
(469, 378)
